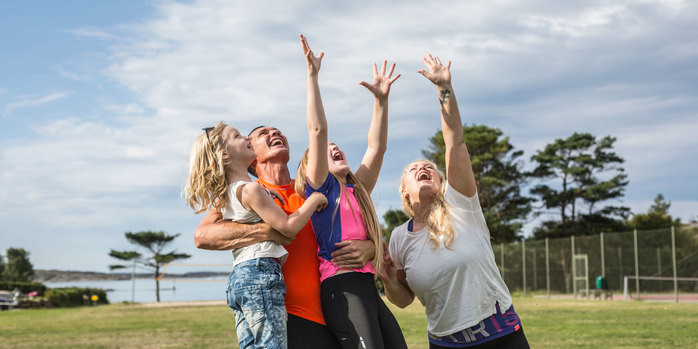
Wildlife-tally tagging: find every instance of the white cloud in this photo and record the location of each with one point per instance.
(33, 101)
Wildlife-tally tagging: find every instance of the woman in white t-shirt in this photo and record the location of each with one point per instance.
(443, 254)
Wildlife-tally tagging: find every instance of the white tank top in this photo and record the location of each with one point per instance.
(234, 211)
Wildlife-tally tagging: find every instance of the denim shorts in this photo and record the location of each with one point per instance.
(256, 292)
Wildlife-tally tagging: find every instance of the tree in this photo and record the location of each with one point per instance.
(155, 243)
(18, 267)
(657, 217)
(499, 177)
(2, 268)
(579, 163)
(393, 218)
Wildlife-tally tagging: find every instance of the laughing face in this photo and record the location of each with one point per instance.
(337, 161)
(268, 143)
(420, 180)
(237, 147)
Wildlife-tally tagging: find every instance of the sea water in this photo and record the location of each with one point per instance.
(143, 290)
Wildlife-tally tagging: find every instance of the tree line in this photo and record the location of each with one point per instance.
(572, 179)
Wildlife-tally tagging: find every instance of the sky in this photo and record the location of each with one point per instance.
(100, 101)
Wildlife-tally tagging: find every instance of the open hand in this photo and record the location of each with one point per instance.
(437, 73)
(380, 87)
(313, 61)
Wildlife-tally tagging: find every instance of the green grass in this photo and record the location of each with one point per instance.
(548, 324)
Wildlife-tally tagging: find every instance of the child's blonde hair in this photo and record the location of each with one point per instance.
(438, 222)
(368, 212)
(207, 186)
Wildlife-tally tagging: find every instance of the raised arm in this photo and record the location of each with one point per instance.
(372, 161)
(254, 197)
(216, 233)
(459, 171)
(317, 168)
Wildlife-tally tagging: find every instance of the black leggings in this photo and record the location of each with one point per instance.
(306, 334)
(516, 340)
(356, 314)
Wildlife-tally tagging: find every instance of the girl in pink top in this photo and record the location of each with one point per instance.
(352, 308)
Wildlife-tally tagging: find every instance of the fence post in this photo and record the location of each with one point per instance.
(673, 261)
(603, 259)
(523, 259)
(574, 271)
(620, 262)
(547, 267)
(637, 268)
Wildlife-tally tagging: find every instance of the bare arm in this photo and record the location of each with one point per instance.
(397, 290)
(317, 168)
(255, 198)
(378, 131)
(457, 157)
(216, 233)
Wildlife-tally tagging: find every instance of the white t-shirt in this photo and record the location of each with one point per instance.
(234, 211)
(458, 286)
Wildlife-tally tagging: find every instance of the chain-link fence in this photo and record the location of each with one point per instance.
(636, 264)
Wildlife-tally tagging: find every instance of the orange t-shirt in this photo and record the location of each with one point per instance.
(301, 269)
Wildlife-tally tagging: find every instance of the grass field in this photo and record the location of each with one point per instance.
(548, 324)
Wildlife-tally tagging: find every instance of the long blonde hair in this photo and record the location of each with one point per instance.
(368, 212)
(438, 223)
(207, 186)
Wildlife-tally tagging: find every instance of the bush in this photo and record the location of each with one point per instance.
(24, 287)
(74, 296)
(36, 303)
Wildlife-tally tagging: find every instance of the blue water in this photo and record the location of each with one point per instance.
(144, 291)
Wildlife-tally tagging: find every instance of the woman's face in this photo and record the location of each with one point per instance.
(237, 146)
(337, 161)
(420, 179)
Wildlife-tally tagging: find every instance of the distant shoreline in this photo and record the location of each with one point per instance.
(41, 275)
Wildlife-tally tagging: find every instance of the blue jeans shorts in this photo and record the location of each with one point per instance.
(256, 292)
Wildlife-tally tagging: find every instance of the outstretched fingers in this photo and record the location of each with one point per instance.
(392, 68)
(304, 44)
(393, 79)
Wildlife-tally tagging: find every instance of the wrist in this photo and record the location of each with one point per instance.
(444, 86)
(380, 100)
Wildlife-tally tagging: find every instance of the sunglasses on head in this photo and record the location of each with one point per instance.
(206, 129)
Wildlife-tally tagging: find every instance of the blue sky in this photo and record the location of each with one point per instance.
(100, 101)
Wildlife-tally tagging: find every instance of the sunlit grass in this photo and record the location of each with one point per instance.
(548, 324)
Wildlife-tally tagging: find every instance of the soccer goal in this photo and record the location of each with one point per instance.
(660, 288)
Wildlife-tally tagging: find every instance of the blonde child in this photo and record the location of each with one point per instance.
(218, 178)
